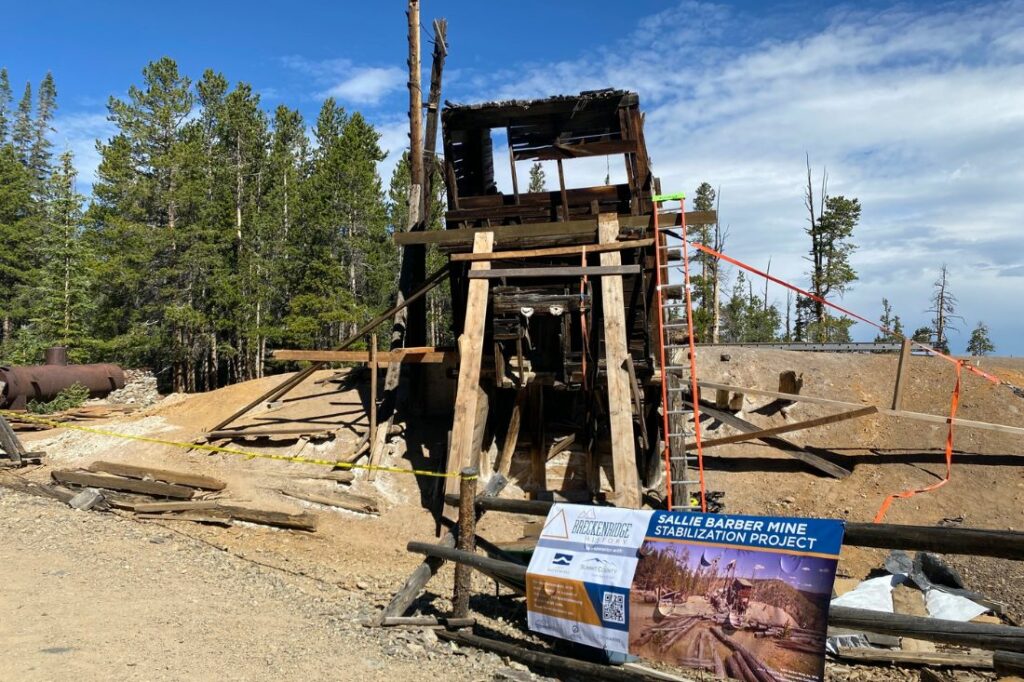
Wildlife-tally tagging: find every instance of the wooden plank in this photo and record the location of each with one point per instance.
(938, 659)
(149, 473)
(917, 416)
(407, 355)
(130, 485)
(187, 505)
(509, 234)
(574, 151)
(553, 251)
(787, 428)
(341, 500)
(559, 271)
(471, 344)
(620, 411)
(901, 374)
(791, 449)
(301, 521)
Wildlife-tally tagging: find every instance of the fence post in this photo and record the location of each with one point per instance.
(467, 540)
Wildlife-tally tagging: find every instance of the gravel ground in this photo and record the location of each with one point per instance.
(91, 596)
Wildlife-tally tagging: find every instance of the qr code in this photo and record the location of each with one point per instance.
(613, 609)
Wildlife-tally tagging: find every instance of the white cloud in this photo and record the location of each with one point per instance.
(78, 133)
(349, 82)
(918, 113)
(368, 85)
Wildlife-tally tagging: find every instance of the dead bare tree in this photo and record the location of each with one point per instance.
(943, 311)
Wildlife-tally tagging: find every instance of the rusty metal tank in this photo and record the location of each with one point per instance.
(18, 385)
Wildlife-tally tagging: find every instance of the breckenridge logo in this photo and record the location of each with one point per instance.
(602, 529)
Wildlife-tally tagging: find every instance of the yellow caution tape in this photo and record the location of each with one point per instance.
(230, 451)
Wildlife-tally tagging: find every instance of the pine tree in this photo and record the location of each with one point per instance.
(17, 226)
(890, 322)
(63, 284)
(536, 178)
(943, 311)
(141, 201)
(831, 224)
(705, 280)
(979, 344)
(5, 106)
(39, 156)
(22, 130)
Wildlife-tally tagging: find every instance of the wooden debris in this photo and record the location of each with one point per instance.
(783, 445)
(568, 666)
(303, 521)
(90, 480)
(916, 658)
(414, 584)
(150, 474)
(341, 500)
(979, 635)
(187, 505)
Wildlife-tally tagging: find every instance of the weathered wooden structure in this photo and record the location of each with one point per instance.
(552, 292)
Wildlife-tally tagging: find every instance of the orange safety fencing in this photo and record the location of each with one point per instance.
(958, 364)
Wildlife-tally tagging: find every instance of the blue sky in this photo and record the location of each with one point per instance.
(917, 109)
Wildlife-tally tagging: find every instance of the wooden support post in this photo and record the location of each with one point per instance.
(565, 198)
(373, 395)
(508, 448)
(414, 584)
(901, 373)
(467, 541)
(620, 411)
(471, 344)
(538, 465)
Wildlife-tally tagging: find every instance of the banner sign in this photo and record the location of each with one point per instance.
(736, 596)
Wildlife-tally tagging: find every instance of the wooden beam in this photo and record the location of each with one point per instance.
(917, 416)
(471, 344)
(1008, 664)
(581, 229)
(508, 448)
(553, 251)
(559, 271)
(575, 151)
(130, 485)
(787, 428)
(303, 521)
(178, 506)
(791, 449)
(149, 473)
(505, 569)
(620, 410)
(937, 659)
(428, 355)
(980, 635)
(901, 374)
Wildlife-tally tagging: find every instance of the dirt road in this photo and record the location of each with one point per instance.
(87, 596)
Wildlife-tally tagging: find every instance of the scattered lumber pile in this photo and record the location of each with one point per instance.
(12, 451)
